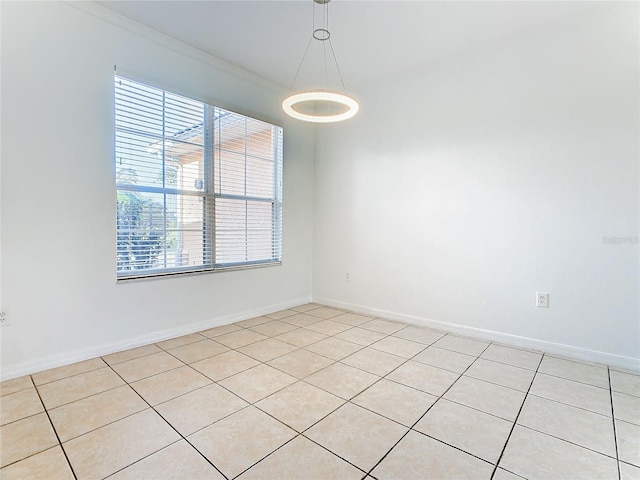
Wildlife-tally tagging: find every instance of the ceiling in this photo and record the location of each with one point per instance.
(373, 40)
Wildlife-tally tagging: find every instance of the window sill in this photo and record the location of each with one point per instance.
(170, 274)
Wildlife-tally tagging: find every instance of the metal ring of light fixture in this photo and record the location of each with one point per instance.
(330, 97)
(321, 34)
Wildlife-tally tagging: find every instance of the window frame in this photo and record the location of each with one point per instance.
(209, 195)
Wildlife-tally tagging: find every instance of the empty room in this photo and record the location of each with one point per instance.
(313, 239)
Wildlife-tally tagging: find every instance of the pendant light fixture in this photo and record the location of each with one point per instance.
(320, 105)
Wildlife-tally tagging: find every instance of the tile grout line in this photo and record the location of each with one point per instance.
(127, 384)
(568, 441)
(249, 403)
(107, 364)
(274, 337)
(100, 392)
(577, 407)
(297, 433)
(587, 363)
(613, 421)
(349, 400)
(505, 363)
(387, 335)
(68, 376)
(253, 404)
(140, 459)
(172, 427)
(331, 452)
(165, 349)
(297, 349)
(476, 408)
(452, 446)
(95, 395)
(362, 347)
(267, 455)
(515, 421)
(360, 369)
(490, 382)
(53, 427)
(297, 379)
(212, 380)
(300, 380)
(406, 360)
(427, 411)
(572, 380)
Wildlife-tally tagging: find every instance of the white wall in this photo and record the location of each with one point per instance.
(464, 188)
(58, 273)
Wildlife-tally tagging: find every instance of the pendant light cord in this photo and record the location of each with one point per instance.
(344, 88)
(293, 84)
(325, 27)
(337, 66)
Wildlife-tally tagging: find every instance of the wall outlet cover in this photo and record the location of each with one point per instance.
(542, 299)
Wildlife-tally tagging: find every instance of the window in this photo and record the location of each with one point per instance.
(198, 187)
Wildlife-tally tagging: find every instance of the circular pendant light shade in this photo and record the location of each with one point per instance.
(320, 106)
(338, 107)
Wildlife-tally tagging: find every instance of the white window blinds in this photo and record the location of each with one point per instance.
(198, 187)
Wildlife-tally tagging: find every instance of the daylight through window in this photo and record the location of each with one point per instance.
(198, 187)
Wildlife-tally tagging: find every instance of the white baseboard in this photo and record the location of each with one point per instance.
(40, 364)
(569, 351)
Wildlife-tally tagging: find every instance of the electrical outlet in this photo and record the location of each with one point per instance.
(347, 278)
(3, 319)
(542, 299)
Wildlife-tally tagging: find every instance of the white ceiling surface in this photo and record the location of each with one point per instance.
(373, 40)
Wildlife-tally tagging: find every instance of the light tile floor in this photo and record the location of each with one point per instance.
(319, 393)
